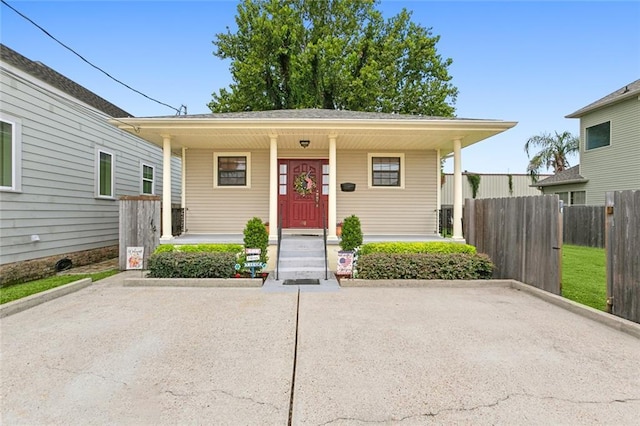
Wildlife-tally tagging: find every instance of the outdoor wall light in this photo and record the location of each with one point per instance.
(305, 143)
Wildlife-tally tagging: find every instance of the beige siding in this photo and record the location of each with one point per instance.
(617, 166)
(224, 210)
(491, 186)
(411, 210)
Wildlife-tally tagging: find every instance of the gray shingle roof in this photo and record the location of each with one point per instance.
(59, 81)
(570, 175)
(312, 114)
(630, 90)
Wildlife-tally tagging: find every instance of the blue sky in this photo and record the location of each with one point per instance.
(530, 62)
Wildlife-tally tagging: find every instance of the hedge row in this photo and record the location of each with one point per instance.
(417, 247)
(425, 266)
(207, 248)
(192, 265)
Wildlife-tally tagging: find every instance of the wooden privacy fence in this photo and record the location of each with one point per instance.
(522, 236)
(583, 225)
(623, 253)
(139, 225)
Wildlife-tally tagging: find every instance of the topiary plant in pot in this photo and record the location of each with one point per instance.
(351, 233)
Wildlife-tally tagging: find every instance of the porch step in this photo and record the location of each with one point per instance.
(301, 257)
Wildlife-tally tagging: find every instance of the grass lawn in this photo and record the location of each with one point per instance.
(18, 291)
(584, 275)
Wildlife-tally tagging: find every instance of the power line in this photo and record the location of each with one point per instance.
(177, 110)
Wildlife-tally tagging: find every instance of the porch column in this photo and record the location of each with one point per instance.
(183, 201)
(457, 191)
(438, 189)
(273, 187)
(166, 188)
(333, 187)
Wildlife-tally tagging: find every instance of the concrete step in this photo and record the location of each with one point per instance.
(288, 254)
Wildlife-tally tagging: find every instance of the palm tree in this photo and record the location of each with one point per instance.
(554, 152)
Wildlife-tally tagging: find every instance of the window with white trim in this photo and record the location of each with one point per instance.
(105, 176)
(10, 153)
(598, 135)
(232, 170)
(386, 170)
(148, 179)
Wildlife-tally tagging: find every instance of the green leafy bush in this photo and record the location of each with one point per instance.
(192, 265)
(208, 248)
(351, 233)
(256, 236)
(417, 247)
(425, 266)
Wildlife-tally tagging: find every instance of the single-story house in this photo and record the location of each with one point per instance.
(293, 167)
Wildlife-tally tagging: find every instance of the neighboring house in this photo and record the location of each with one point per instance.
(63, 166)
(609, 150)
(492, 185)
(288, 166)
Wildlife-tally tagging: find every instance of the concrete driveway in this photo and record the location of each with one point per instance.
(110, 354)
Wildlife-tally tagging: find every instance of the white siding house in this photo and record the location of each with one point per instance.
(63, 166)
(609, 150)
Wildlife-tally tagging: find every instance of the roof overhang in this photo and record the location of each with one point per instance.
(370, 134)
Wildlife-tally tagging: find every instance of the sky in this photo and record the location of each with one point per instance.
(529, 62)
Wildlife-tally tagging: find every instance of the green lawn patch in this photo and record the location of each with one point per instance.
(18, 291)
(584, 275)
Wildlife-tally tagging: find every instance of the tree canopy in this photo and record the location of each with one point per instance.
(332, 54)
(553, 153)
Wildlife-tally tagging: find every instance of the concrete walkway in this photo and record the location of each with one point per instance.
(110, 354)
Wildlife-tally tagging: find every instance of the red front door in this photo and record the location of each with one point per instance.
(303, 192)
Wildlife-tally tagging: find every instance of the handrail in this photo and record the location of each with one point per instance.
(324, 232)
(279, 242)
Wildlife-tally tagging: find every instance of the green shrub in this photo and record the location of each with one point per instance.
(351, 233)
(192, 265)
(164, 248)
(256, 236)
(425, 266)
(208, 248)
(417, 247)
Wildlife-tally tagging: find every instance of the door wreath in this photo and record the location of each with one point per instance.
(304, 183)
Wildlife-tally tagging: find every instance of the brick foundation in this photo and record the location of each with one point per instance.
(28, 270)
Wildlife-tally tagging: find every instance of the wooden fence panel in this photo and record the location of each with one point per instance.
(623, 253)
(521, 235)
(139, 225)
(583, 225)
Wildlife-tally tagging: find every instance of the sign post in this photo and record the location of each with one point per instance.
(253, 260)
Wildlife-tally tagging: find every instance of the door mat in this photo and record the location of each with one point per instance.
(306, 281)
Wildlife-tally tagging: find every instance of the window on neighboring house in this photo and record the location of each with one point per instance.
(105, 172)
(10, 151)
(386, 170)
(232, 170)
(148, 179)
(598, 135)
(578, 197)
(564, 197)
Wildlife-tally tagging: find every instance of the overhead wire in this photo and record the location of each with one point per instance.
(178, 110)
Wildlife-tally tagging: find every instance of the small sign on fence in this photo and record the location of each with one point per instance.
(135, 256)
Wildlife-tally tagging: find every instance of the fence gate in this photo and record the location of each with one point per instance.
(521, 235)
(623, 253)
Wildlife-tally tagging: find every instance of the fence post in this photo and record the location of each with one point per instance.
(609, 245)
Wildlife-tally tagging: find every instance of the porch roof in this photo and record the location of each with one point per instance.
(353, 130)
